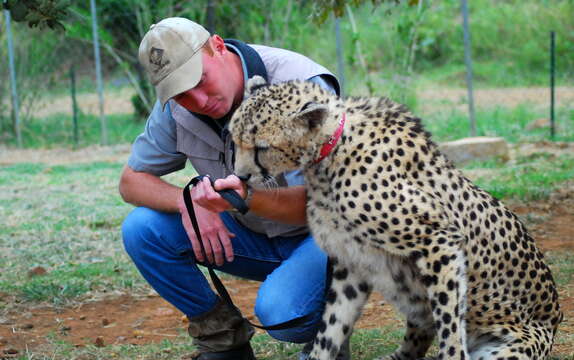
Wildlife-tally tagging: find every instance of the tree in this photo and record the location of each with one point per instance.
(39, 13)
(322, 8)
(52, 13)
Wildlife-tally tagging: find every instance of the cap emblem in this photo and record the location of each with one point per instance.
(155, 58)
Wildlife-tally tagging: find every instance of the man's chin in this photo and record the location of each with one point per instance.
(218, 114)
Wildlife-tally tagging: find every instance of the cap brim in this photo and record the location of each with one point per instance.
(181, 79)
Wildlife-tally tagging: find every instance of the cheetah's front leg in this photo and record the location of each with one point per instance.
(345, 300)
(417, 340)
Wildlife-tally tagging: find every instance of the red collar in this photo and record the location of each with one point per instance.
(330, 144)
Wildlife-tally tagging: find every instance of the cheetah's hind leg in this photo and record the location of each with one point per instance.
(527, 342)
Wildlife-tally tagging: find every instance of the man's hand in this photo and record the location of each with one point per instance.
(205, 195)
(216, 237)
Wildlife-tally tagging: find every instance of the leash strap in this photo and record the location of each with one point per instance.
(234, 199)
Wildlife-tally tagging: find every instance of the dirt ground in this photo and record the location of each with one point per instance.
(125, 319)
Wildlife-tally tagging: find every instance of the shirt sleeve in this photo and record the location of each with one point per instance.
(155, 150)
(324, 82)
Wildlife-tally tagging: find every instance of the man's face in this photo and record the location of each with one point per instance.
(215, 93)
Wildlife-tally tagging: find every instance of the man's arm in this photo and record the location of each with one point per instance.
(284, 204)
(143, 189)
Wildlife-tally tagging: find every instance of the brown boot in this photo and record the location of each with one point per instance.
(222, 334)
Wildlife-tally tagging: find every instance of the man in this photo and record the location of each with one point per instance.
(199, 80)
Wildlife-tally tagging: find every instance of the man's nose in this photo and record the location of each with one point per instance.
(197, 98)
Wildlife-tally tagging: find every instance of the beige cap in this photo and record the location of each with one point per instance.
(170, 53)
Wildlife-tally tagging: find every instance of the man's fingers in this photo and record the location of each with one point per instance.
(217, 249)
(197, 250)
(195, 245)
(230, 182)
(226, 243)
(192, 237)
(208, 249)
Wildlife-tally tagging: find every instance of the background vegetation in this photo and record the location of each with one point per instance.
(388, 49)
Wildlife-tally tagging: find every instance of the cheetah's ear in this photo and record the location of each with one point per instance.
(253, 84)
(312, 115)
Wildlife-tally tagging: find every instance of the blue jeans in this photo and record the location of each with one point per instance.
(292, 270)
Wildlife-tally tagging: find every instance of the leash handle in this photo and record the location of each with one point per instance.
(231, 196)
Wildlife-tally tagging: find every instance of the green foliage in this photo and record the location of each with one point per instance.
(512, 35)
(403, 47)
(35, 72)
(323, 8)
(39, 13)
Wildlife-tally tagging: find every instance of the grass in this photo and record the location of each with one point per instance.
(562, 266)
(509, 123)
(527, 178)
(66, 219)
(57, 130)
(365, 344)
(446, 122)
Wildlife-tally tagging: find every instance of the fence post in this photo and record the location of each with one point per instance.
(13, 89)
(468, 61)
(552, 78)
(340, 64)
(104, 129)
(74, 105)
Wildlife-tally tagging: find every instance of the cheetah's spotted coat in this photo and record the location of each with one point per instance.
(396, 217)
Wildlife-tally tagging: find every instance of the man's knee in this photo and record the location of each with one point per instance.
(146, 230)
(135, 228)
(272, 312)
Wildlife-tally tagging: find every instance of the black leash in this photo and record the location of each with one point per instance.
(237, 202)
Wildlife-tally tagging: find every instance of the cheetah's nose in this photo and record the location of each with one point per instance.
(244, 178)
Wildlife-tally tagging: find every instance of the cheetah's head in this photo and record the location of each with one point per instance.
(279, 127)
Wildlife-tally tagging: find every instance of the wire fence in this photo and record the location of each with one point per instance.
(90, 71)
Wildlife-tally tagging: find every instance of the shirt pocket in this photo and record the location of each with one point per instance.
(204, 158)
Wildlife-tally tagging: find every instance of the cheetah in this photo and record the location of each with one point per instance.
(395, 216)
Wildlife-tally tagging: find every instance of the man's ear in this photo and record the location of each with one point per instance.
(312, 115)
(217, 44)
(253, 84)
